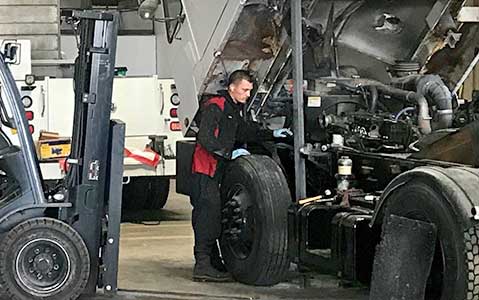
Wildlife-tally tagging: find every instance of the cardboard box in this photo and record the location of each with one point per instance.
(50, 146)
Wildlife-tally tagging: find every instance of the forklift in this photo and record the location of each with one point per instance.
(61, 242)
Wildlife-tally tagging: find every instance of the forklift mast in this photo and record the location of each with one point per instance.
(87, 180)
(61, 242)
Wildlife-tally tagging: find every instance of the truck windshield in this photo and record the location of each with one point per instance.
(173, 9)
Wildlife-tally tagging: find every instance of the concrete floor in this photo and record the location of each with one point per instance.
(156, 258)
(156, 262)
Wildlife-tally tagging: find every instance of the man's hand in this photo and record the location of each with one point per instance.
(282, 133)
(239, 152)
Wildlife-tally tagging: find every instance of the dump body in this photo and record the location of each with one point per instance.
(219, 36)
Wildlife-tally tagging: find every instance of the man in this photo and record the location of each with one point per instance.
(221, 128)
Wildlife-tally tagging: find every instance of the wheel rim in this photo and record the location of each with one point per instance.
(42, 266)
(239, 222)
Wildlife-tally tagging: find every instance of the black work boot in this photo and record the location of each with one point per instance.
(216, 260)
(205, 272)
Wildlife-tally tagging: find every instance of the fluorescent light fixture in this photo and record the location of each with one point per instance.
(147, 9)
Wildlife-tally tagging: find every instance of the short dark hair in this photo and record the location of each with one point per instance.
(239, 75)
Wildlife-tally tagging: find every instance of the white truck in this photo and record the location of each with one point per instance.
(148, 106)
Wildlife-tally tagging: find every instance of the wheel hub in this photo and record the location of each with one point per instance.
(42, 265)
(238, 221)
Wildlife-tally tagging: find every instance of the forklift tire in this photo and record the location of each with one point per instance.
(254, 238)
(454, 273)
(43, 258)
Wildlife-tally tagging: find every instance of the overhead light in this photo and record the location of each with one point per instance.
(147, 9)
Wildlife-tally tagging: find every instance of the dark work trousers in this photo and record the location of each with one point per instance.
(206, 217)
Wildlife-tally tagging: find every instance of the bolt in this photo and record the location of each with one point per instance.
(108, 287)
(56, 267)
(31, 271)
(30, 260)
(54, 255)
(110, 241)
(37, 251)
(49, 274)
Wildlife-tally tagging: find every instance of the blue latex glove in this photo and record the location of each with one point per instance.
(239, 152)
(282, 133)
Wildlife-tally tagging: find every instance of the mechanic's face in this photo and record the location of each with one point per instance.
(240, 91)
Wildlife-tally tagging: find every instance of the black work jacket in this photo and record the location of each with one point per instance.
(221, 128)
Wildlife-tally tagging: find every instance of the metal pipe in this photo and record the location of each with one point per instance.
(423, 118)
(298, 101)
(466, 74)
(433, 88)
(12, 97)
(374, 99)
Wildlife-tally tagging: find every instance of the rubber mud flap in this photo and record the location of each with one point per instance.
(403, 259)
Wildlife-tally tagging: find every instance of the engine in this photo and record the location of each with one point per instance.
(380, 132)
(371, 116)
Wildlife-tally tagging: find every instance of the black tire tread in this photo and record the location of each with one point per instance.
(158, 190)
(471, 239)
(274, 262)
(464, 182)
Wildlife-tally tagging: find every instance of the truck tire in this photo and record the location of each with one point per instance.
(146, 192)
(43, 258)
(455, 269)
(135, 194)
(254, 238)
(158, 190)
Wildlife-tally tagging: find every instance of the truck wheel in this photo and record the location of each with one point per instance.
(43, 258)
(158, 189)
(135, 194)
(254, 238)
(455, 268)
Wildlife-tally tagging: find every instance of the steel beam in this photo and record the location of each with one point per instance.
(298, 108)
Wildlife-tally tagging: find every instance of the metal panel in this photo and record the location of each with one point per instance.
(137, 101)
(206, 15)
(468, 14)
(471, 84)
(111, 249)
(189, 67)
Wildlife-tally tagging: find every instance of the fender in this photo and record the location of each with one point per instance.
(23, 213)
(458, 186)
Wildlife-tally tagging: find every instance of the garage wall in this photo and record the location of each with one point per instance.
(36, 20)
(137, 53)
